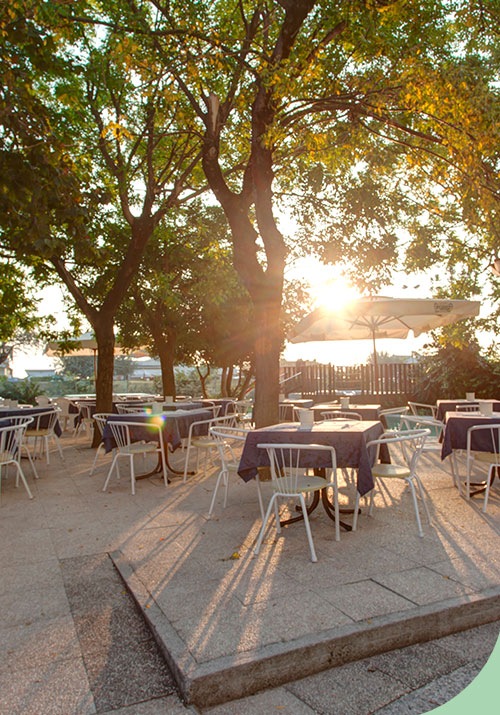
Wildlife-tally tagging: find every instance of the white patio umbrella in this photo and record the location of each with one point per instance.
(86, 346)
(380, 317)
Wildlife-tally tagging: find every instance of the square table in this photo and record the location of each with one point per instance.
(288, 406)
(6, 412)
(445, 406)
(348, 438)
(175, 426)
(455, 431)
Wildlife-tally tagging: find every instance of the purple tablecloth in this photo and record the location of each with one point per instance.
(367, 412)
(226, 404)
(349, 443)
(173, 406)
(445, 406)
(455, 432)
(175, 426)
(31, 412)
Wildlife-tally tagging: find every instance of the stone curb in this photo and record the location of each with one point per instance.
(231, 677)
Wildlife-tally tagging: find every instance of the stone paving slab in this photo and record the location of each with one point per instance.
(230, 623)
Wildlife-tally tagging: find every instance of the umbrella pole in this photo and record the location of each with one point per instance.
(375, 363)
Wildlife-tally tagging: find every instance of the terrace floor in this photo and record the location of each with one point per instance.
(228, 623)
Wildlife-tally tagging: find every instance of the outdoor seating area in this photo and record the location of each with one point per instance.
(213, 550)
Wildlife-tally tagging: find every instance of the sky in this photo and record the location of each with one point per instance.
(327, 287)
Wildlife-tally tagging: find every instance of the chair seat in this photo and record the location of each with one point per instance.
(388, 471)
(488, 457)
(7, 457)
(38, 432)
(204, 442)
(303, 484)
(139, 448)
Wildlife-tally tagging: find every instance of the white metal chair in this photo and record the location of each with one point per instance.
(467, 408)
(228, 439)
(125, 447)
(290, 479)
(41, 430)
(43, 401)
(84, 419)
(66, 417)
(420, 409)
(11, 442)
(391, 416)
(416, 439)
(489, 459)
(100, 421)
(243, 409)
(337, 415)
(206, 442)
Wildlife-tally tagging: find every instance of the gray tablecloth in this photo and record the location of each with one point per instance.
(349, 443)
(455, 432)
(445, 406)
(32, 412)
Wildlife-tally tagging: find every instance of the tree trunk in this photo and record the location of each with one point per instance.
(223, 382)
(166, 353)
(105, 337)
(203, 379)
(229, 380)
(267, 362)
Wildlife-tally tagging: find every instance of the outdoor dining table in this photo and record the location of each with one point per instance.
(226, 404)
(445, 406)
(175, 427)
(367, 412)
(349, 439)
(182, 405)
(6, 412)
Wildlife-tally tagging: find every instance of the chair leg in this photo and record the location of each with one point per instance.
(259, 497)
(415, 506)
(264, 524)
(23, 479)
(132, 474)
(95, 459)
(422, 497)
(164, 465)
(212, 503)
(186, 463)
(491, 477)
(28, 453)
(58, 444)
(356, 509)
(110, 471)
(314, 558)
(46, 442)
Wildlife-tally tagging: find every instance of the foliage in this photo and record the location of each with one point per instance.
(79, 366)
(450, 371)
(24, 391)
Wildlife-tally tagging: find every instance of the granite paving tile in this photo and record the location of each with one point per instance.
(422, 585)
(352, 689)
(365, 599)
(58, 688)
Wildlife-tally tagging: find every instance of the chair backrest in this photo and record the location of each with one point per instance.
(43, 400)
(228, 438)
(490, 440)
(467, 408)
(121, 409)
(411, 422)
(391, 416)
(123, 431)
(44, 420)
(284, 413)
(289, 461)
(414, 438)
(12, 434)
(421, 408)
(337, 415)
(100, 420)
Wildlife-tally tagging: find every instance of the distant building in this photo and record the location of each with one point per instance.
(48, 372)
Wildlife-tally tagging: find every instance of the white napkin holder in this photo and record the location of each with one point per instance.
(344, 403)
(169, 399)
(470, 396)
(306, 418)
(486, 407)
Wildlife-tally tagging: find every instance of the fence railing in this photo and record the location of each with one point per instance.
(325, 381)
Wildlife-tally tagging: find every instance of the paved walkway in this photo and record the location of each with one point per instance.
(230, 623)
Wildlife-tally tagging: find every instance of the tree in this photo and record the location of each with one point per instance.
(278, 90)
(89, 159)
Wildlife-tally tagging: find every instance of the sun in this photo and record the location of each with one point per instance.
(332, 292)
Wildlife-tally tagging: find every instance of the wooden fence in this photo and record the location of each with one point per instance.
(326, 381)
